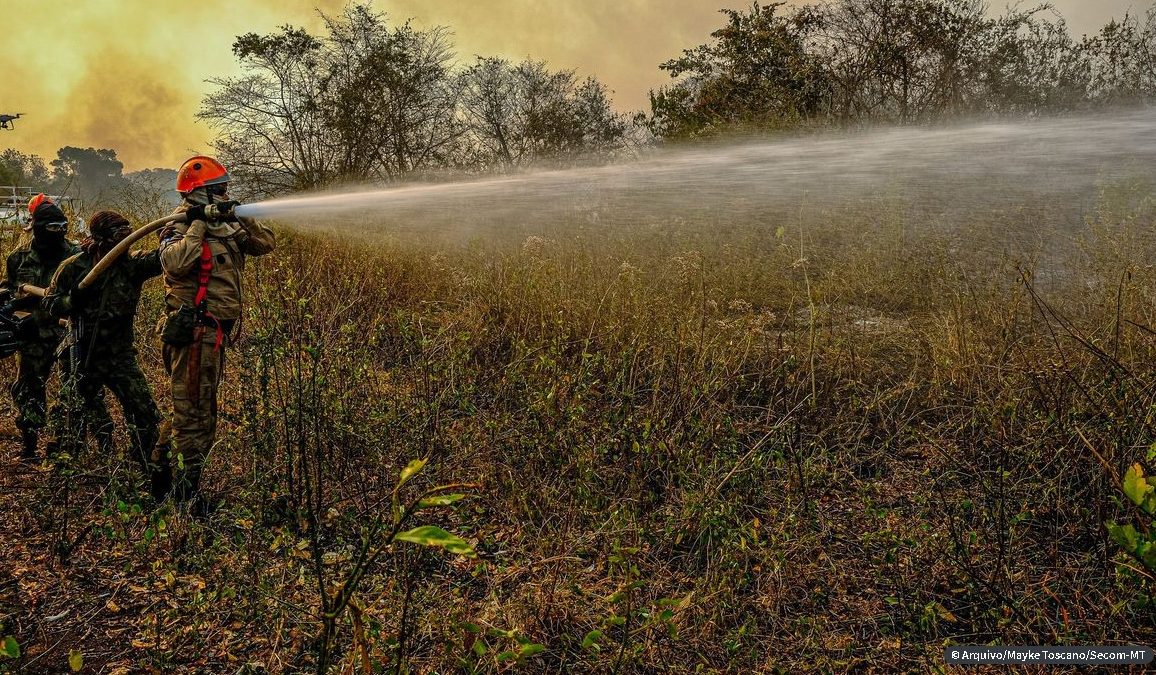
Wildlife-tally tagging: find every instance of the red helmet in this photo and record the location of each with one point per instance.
(37, 201)
(200, 171)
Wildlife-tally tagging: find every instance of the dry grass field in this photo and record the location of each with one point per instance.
(828, 438)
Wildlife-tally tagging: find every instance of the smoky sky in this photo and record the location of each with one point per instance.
(129, 74)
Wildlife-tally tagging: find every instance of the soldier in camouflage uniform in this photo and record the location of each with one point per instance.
(214, 252)
(105, 311)
(34, 263)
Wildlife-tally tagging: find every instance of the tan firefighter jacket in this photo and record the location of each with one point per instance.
(229, 244)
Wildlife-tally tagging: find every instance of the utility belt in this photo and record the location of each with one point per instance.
(180, 327)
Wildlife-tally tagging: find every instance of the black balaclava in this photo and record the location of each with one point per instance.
(49, 225)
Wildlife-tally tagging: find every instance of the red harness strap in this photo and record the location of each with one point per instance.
(201, 301)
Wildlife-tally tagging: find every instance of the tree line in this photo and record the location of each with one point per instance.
(855, 62)
(370, 101)
(93, 177)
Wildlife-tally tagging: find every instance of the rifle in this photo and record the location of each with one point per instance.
(12, 301)
(9, 324)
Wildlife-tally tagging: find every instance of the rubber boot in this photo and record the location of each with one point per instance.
(160, 484)
(29, 438)
(199, 506)
(160, 473)
(105, 441)
(28, 443)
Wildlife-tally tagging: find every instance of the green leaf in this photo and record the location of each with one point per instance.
(1126, 536)
(429, 535)
(10, 648)
(1139, 490)
(410, 471)
(75, 660)
(440, 500)
(591, 639)
(1148, 555)
(531, 649)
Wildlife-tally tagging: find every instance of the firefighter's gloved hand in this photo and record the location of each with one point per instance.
(82, 297)
(28, 329)
(196, 213)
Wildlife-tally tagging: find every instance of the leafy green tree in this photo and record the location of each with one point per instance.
(851, 62)
(387, 96)
(22, 170)
(365, 101)
(757, 72)
(86, 173)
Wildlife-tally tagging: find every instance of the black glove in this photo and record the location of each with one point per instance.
(196, 213)
(27, 330)
(82, 297)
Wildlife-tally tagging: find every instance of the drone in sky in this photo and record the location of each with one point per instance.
(8, 121)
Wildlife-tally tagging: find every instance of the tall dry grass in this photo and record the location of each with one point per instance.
(829, 439)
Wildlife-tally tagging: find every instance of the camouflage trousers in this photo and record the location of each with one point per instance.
(34, 366)
(29, 390)
(194, 421)
(121, 375)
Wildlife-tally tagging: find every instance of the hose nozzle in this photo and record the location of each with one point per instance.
(224, 211)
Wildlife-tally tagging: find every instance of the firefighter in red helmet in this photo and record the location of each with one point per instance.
(203, 262)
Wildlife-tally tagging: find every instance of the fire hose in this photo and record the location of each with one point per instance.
(29, 289)
(211, 212)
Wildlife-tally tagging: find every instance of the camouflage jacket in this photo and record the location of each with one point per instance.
(229, 245)
(108, 319)
(26, 265)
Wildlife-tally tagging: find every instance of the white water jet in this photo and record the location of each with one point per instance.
(959, 168)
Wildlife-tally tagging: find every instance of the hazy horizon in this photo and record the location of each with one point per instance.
(129, 74)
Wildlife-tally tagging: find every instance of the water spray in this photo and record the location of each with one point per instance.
(960, 171)
(957, 168)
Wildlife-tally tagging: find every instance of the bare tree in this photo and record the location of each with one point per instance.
(524, 113)
(388, 96)
(371, 101)
(272, 130)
